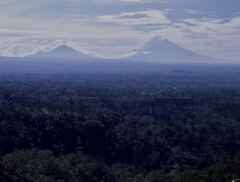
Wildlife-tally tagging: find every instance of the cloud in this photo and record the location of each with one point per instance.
(138, 18)
(214, 36)
(23, 43)
(134, 1)
(192, 11)
(112, 28)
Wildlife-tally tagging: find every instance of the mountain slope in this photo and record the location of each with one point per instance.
(63, 51)
(163, 51)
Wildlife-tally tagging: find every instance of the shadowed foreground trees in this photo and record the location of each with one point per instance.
(42, 165)
(39, 165)
(61, 129)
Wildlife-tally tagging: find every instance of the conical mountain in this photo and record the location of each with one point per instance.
(62, 51)
(163, 50)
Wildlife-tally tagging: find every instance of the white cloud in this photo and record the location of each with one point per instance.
(22, 43)
(217, 37)
(112, 27)
(134, 1)
(148, 17)
(192, 11)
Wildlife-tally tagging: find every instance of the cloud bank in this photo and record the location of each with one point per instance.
(113, 28)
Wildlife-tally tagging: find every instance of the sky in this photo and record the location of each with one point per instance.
(115, 28)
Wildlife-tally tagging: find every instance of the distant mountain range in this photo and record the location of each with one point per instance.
(61, 52)
(148, 58)
(157, 50)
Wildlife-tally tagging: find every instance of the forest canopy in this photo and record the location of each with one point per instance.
(119, 128)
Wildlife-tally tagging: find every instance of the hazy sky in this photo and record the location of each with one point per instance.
(113, 28)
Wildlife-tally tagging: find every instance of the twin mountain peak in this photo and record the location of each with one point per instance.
(155, 50)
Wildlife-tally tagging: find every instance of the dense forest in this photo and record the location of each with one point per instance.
(147, 127)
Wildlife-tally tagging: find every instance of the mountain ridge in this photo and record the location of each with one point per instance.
(156, 50)
(159, 50)
(62, 51)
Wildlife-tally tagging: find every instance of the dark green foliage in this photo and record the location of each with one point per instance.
(88, 128)
(36, 165)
